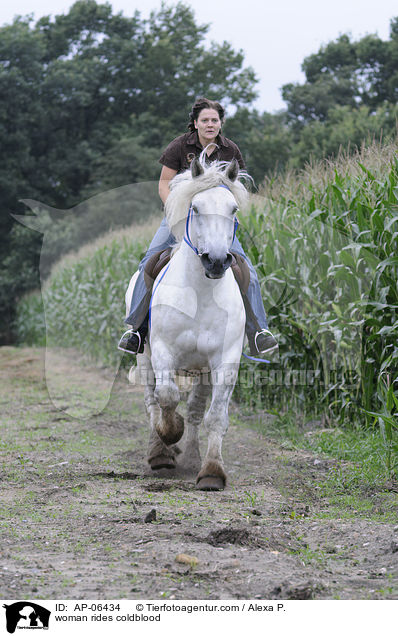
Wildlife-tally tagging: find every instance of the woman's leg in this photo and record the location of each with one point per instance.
(141, 294)
(257, 331)
(259, 319)
(132, 341)
(260, 338)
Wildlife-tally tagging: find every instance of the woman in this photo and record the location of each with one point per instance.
(206, 119)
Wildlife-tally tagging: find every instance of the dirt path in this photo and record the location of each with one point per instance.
(82, 516)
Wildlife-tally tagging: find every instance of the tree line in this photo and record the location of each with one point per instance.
(90, 98)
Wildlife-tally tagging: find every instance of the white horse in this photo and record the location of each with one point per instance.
(197, 322)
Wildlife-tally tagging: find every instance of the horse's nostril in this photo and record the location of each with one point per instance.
(228, 260)
(205, 259)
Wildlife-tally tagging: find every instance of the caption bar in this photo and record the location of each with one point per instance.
(282, 617)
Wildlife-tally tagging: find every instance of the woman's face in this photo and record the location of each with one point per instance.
(208, 124)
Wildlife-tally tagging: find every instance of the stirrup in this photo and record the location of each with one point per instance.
(125, 337)
(269, 349)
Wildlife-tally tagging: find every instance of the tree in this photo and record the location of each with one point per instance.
(89, 99)
(345, 73)
(344, 129)
(264, 139)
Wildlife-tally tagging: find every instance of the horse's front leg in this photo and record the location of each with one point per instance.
(212, 475)
(196, 406)
(170, 425)
(159, 455)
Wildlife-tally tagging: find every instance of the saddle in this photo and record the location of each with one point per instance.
(154, 266)
(157, 261)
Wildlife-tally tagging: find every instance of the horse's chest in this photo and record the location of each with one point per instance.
(203, 304)
(197, 320)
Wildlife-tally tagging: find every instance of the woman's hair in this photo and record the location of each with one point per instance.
(200, 104)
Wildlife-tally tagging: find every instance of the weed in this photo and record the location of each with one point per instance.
(251, 497)
(307, 556)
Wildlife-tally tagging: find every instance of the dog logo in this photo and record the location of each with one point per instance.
(26, 615)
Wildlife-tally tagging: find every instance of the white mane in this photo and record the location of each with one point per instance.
(184, 187)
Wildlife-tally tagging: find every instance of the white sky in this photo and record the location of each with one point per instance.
(275, 35)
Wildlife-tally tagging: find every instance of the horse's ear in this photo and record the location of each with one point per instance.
(196, 168)
(233, 170)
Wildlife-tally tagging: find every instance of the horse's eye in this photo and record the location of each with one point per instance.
(235, 210)
(194, 209)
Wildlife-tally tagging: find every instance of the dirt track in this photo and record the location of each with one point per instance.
(83, 517)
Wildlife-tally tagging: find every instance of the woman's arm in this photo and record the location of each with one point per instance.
(165, 177)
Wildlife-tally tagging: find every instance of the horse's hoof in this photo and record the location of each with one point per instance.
(211, 477)
(171, 428)
(210, 483)
(162, 461)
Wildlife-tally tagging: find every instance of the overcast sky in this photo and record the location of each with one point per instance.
(274, 36)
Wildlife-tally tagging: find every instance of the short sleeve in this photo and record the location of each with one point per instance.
(171, 156)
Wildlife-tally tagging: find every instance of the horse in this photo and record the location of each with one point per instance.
(197, 322)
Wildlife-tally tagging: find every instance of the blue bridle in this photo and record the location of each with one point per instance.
(187, 237)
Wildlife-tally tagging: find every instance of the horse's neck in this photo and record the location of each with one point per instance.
(192, 267)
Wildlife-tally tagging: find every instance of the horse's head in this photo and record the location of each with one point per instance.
(212, 221)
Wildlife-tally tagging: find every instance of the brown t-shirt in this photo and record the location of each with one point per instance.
(180, 152)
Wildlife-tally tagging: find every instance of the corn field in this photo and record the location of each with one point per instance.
(83, 304)
(325, 245)
(326, 251)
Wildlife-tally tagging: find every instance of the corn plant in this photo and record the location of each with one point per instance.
(387, 418)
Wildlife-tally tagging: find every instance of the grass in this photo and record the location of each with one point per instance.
(353, 480)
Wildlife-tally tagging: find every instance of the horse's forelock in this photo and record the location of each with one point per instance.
(184, 187)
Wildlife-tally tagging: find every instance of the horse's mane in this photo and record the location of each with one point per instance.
(184, 187)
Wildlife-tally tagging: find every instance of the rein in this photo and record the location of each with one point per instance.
(255, 359)
(153, 292)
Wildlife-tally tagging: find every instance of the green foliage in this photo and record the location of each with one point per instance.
(344, 127)
(387, 418)
(30, 321)
(361, 452)
(128, 159)
(264, 139)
